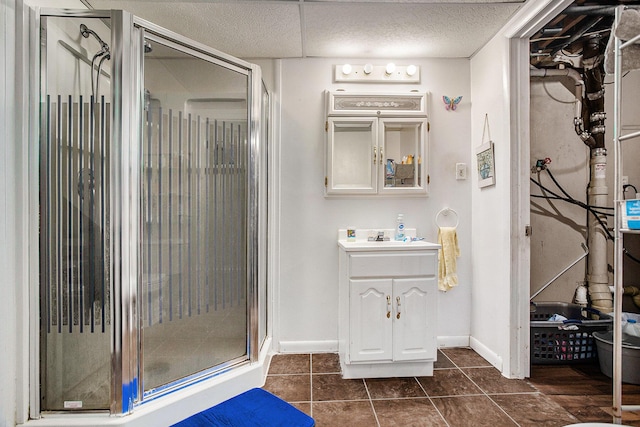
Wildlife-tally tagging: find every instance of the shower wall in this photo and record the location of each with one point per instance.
(74, 211)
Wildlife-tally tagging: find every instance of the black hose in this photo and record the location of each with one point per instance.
(578, 203)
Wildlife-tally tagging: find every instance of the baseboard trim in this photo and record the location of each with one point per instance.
(487, 353)
(329, 346)
(453, 341)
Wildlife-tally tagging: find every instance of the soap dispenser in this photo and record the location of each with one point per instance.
(400, 227)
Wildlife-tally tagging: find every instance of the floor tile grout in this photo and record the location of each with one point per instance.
(311, 384)
(508, 404)
(373, 408)
(431, 400)
(489, 397)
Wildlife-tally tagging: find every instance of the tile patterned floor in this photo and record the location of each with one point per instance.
(465, 390)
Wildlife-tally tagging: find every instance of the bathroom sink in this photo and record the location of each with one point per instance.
(363, 243)
(366, 245)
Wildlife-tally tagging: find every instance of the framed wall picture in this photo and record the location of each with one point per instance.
(486, 165)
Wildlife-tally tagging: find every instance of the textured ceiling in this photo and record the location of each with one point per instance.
(323, 28)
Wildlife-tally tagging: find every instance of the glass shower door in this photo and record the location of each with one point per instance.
(195, 201)
(150, 190)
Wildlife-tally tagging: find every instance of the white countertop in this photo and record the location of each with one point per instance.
(362, 242)
(390, 245)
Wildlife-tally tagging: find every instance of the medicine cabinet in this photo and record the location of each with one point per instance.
(376, 144)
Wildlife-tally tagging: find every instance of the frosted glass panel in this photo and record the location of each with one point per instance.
(194, 188)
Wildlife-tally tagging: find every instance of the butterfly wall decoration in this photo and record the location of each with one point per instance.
(451, 104)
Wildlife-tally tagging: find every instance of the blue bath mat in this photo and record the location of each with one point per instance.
(253, 408)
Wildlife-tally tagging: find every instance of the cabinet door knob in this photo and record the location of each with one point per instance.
(388, 306)
(381, 156)
(398, 305)
(375, 155)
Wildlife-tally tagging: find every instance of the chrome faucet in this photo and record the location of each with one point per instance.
(379, 238)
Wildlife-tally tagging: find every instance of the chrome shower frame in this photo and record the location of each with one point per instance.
(128, 34)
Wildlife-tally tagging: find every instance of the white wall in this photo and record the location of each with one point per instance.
(307, 305)
(558, 227)
(490, 248)
(501, 248)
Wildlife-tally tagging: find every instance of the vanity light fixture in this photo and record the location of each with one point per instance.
(390, 68)
(389, 73)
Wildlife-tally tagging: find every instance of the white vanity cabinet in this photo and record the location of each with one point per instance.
(388, 304)
(376, 144)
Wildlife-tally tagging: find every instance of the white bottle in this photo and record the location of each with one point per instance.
(400, 227)
(632, 328)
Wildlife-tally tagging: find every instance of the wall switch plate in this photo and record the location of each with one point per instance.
(625, 180)
(461, 171)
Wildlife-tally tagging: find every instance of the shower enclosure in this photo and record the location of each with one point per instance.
(152, 177)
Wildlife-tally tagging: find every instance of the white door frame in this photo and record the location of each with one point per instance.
(533, 16)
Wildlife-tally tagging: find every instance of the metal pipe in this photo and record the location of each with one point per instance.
(565, 72)
(594, 10)
(546, 285)
(617, 260)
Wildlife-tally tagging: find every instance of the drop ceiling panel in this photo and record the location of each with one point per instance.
(386, 30)
(242, 29)
(329, 28)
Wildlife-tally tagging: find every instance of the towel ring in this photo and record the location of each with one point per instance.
(445, 212)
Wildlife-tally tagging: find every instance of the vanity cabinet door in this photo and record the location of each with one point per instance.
(414, 325)
(352, 155)
(371, 320)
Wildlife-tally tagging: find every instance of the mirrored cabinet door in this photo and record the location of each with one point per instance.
(402, 148)
(352, 156)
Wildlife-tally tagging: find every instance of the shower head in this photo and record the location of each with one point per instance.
(86, 32)
(103, 54)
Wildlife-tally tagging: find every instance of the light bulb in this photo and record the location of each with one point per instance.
(411, 70)
(391, 67)
(346, 69)
(368, 68)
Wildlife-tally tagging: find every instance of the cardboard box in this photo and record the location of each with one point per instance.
(631, 214)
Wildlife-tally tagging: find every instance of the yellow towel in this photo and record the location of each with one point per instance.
(447, 276)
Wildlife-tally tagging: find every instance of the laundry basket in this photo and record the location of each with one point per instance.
(568, 342)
